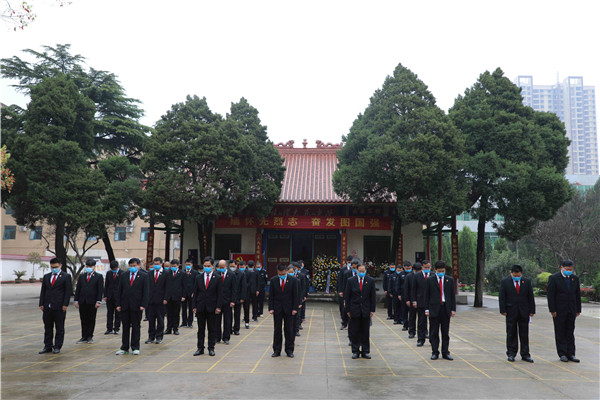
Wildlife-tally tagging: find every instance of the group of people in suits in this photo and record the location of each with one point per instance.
(216, 295)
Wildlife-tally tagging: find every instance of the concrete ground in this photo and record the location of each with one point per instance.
(322, 368)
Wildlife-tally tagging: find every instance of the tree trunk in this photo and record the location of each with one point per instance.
(59, 244)
(480, 271)
(201, 254)
(108, 245)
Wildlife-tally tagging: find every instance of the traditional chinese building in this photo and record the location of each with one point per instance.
(310, 219)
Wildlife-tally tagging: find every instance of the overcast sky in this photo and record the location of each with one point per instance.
(310, 67)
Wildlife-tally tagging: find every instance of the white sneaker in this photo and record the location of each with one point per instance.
(121, 352)
(136, 352)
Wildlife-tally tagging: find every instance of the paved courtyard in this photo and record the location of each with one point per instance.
(322, 368)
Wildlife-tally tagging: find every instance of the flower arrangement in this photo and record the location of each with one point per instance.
(325, 270)
(375, 270)
(8, 178)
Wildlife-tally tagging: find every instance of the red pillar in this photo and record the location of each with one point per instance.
(440, 247)
(150, 243)
(455, 255)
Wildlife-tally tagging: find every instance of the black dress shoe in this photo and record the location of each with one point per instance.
(226, 341)
(447, 357)
(190, 325)
(176, 333)
(527, 359)
(46, 350)
(182, 325)
(158, 341)
(366, 355)
(396, 322)
(297, 333)
(236, 333)
(435, 356)
(354, 356)
(349, 343)
(255, 319)
(411, 336)
(573, 359)
(290, 355)
(405, 328)
(300, 327)
(275, 354)
(116, 332)
(199, 352)
(389, 317)
(564, 359)
(168, 332)
(108, 332)
(55, 351)
(511, 358)
(420, 344)
(343, 327)
(247, 325)
(426, 336)
(148, 341)
(211, 353)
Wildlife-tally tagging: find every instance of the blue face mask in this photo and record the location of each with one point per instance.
(440, 274)
(567, 273)
(408, 270)
(290, 274)
(349, 265)
(222, 270)
(133, 269)
(398, 271)
(427, 271)
(242, 269)
(174, 269)
(361, 274)
(258, 268)
(207, 269)
(188, 267)
(392, 269)
(55, 270)
(282, 277)
(516, 278)
(88, 270)
(156, 267)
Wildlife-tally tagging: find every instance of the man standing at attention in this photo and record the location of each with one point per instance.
(283, 305)
(113, 317)
(440, 306)
(132, 299)
(360, 300)
(207, 297)
(88, 298)
(55, 296)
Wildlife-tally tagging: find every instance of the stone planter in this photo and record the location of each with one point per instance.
(18, 280)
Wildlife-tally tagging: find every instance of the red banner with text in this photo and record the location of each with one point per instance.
(306, 222)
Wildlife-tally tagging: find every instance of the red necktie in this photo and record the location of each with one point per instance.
(131, 281)
(361, 284)
(207, 280)
(89, 276)
(115, 275)
(518, 287)
(155, 276)
(282, 285)
(174, 272)
(53, 280)
(441, 292)
(425, 275)
(223, 277)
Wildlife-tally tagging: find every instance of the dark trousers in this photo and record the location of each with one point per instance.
(396, 308)
(187, 313)
(237, 314)
(156, 321)
(343, 314)
(422, 324)
(173, 307)
(564, 334)
(246, 305)
(54, 319)
(261, 301)
(296, 322)
(131, 320)
(113, 317)
(389, 300)
(412, 319)
(521, 324)
(87, 315)
(303, 312)
(442, 321)
(223, 323)
(404, 314)
(254, 300)
(358, 329)
(206, 322)
(286, 321)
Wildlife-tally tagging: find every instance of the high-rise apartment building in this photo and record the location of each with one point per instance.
(575, 105)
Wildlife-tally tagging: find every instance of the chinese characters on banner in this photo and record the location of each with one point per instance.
(258, 246)
(344, 246)
(455, 257)
(306, 222)
(400, 253)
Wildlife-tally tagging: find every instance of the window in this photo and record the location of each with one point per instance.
(36, 233)
(144, 234)
(9, 210)
(120, 234)
(91, 238)
(10, 232)
(225, 244)
(377, 249)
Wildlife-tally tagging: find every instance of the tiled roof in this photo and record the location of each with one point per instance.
(309, 175)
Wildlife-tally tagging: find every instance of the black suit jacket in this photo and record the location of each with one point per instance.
(188, 281)
(433, 295)
(175, 285)
(229, 288)
(306, 275)
(208, 298)
(251, 281)
(158, 287)
(111, 283)
(514, 304)
(261, 279)
(360, 303)
(417, 292)
(89, 292)
(560, 299)
(58, 295)
(339, 286)
(284, 301)
(132, 297)
(241, 286)
(386, 279)
(347, 275)
(407, 285)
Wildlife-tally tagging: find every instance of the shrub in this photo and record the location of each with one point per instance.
(498, 267)
(19, 274)
(542, 280)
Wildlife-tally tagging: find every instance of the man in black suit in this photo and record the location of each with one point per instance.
(360, 302)
(241, 295)
(294, 271)
(175, 288)
(440, 306)
(157, 284)
(339, 288)
(417, 301)
(255, 279)
(403, 308)
(389, 299)
(113, 317)
(55, 296)
(564, 303)
(283, 305)
(229, 290)
(208, 297)
(406, 294)
(262, 285)
(393, 292)
(189, 277)
(132, 299)
(88, 298)
(517, 304)
(305, 275)
(251, 289)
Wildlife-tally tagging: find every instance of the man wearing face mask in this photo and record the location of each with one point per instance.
(389, 300)
(403, 309)
(55, 296)
(391, 291)
(283, 305)
(157, 285)
(208, 297)
(175, 289)
(411, 312)
(251, 285)
(262, 284)
(88, 298)
(113, 317)
(229, 289)
(339, 288)
(564, 304)
(417, 301)
(132, 299)
(517, 304)
(360, 303)
(293, 272)
(241, 295)
(305, 275)
(440, 306)
(189, 277)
